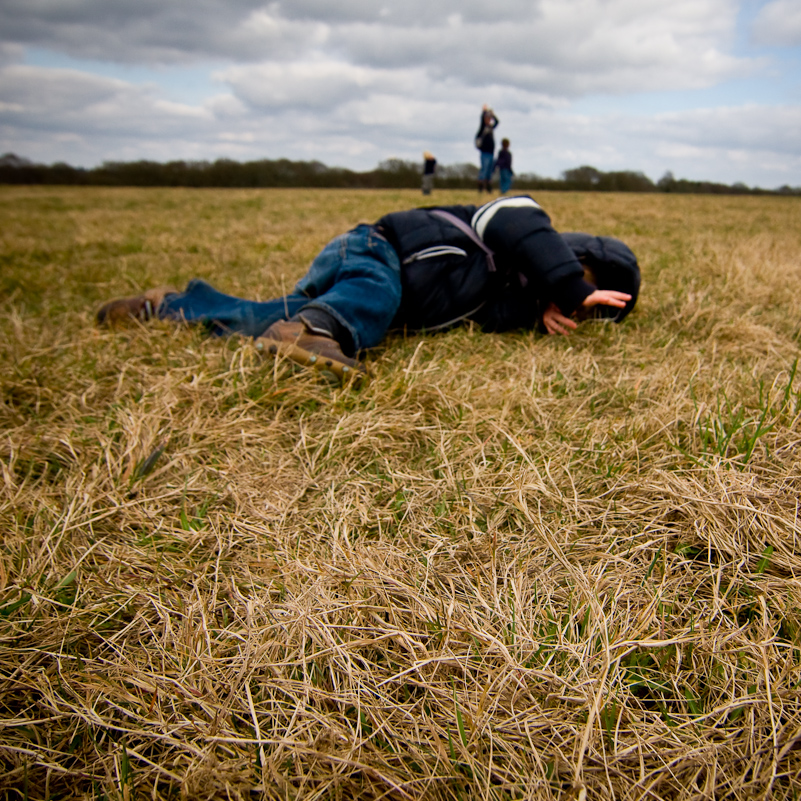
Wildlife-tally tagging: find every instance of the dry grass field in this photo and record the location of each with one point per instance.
(510, 566)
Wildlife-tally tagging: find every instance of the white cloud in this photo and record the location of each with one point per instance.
(568, 48)
(307, 84)
(181, 110)
(754, 144)
(778, 23)
(754, 128)
(73, 102)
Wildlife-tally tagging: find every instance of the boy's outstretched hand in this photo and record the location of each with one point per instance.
(556, 323)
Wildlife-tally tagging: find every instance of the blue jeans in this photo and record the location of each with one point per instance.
(487, 162)
(355, 278)
(506, 180)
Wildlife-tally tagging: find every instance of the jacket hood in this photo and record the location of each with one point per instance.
(613, 264)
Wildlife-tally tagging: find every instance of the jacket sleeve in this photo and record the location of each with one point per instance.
(513, 307)
(520, 233)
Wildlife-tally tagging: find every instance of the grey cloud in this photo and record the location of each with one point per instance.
(152, 31)
(10, 53)
(412, 13)
(553, 46)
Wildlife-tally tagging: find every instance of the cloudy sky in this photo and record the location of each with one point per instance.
(709, 89)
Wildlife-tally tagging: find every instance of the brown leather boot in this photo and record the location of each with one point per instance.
(295, 341)
(141, 307)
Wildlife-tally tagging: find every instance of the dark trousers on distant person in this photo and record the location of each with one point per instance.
(505, 180)
(485, 172)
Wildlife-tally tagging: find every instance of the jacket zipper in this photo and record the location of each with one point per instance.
(434, 252)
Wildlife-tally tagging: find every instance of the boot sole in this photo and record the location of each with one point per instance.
(343, 372)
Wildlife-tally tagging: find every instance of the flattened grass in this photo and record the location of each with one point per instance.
(508, 567)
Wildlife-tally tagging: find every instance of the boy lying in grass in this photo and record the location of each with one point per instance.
(501, 265)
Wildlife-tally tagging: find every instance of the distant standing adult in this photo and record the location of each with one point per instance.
(504, 166)
(429, 168)
(485, 142)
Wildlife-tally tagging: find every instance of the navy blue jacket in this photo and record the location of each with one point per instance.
(485, 139)
(503, 160)
(445, 275)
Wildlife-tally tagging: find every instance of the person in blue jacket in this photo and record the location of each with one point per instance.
(503, 164)
(485, 142)
(501, 265)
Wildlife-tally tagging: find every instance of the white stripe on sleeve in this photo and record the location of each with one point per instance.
(483, 216)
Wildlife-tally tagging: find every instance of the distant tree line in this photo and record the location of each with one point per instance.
(389, 174)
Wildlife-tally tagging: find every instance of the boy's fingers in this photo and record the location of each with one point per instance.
(557, 323)
(620, 297)
(606, 297)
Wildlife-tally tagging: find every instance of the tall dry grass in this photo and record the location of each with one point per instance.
(508, 567)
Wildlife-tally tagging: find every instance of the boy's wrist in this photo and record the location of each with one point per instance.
(569, 293)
